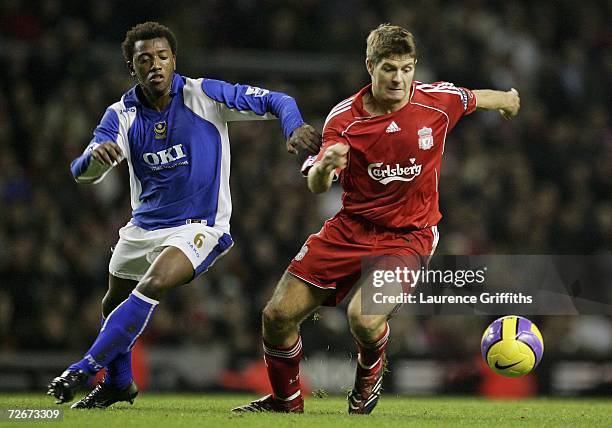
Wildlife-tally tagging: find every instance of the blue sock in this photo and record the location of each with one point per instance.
(119, 371)
(119, 333)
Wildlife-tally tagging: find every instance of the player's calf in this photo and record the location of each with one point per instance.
(368, 386)
(369, 374)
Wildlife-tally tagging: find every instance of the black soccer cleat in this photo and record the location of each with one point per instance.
(103, 396)
(366, 392)
(65, 385)
(274, 405)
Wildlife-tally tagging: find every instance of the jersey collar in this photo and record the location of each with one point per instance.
(360, 112)
(132, 97)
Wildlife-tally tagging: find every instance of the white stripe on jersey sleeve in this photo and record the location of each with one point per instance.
(332, 115)
(210, 110)
(343, 104)
(126, 119)
(341, 107)
(446, 88)
(448, 91)
(232, 115)
(436, 85)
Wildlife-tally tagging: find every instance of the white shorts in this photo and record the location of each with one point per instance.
(137, 248)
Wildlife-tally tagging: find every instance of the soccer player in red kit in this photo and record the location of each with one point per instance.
(385, 143)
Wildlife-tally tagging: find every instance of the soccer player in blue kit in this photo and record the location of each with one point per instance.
(173, 133)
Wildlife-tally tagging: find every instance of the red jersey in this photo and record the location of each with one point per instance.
(394, 159)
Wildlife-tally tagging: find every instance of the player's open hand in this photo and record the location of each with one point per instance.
(513, 105)
(108, 153)
(304, 137)
(335, 156)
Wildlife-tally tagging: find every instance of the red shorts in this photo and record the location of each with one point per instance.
(332, 258)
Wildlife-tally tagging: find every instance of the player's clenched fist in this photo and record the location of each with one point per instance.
(335, 157)
(513, 104)
(321, 174)
(305, 137)
(108, 153)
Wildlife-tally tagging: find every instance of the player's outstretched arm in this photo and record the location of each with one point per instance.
(321, 175)
(96, 161)
(507, 102)
(244, 102)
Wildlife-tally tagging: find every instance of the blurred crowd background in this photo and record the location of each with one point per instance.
(540, 184)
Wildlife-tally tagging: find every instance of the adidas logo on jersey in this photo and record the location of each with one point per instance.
(392, 128)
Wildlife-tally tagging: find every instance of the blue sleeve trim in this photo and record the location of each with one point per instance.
(80, 164)
(258, 100)
(290, 116)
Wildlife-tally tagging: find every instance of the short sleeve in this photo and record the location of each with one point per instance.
(455, 101)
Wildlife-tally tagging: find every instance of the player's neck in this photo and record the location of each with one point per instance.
(379, 107)
(158, 103)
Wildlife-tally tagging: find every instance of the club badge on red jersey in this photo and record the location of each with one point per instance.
(425, 138)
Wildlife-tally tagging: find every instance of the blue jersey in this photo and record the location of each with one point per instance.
(179, 158)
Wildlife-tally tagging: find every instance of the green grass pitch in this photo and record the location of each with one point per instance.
(206, 410)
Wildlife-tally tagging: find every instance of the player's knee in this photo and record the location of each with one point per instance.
(366, 328)
(153, 286)
(275, 318)
(108, 304)
(354, 315)
(110, 301)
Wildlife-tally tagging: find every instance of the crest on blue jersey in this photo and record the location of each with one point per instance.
(160, 129)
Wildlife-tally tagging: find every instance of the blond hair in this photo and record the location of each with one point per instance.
(389, 40)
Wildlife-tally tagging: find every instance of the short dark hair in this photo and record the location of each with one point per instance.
(388, 40)
(146, 31)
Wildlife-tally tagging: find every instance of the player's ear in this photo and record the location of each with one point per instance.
(369, 66)
(174, 62)
(130, 68)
